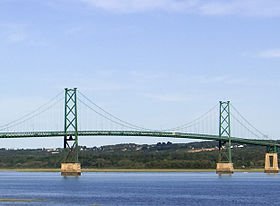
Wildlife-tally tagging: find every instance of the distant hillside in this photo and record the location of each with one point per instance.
(196, 155)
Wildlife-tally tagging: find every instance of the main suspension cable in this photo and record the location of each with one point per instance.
(113, 116)
(30, 115)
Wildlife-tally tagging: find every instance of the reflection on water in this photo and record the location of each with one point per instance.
(24, 188)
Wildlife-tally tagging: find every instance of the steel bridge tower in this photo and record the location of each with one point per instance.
(224, 164)
(71, 165)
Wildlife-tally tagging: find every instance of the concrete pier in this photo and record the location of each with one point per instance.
(70, 169)
(271, 163)
(224, 168)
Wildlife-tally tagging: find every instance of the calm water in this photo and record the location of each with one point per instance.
(141, 189)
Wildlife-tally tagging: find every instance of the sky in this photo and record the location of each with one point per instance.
(154, 63)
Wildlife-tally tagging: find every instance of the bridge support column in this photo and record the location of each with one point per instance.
(71, 166)
(224, 168)
(224, 165)
(271, 163)
(70, 169)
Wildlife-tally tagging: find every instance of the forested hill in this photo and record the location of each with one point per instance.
(197, 155)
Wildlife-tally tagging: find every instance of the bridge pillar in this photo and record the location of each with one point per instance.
(271, 160)
(271, 163)
(224, 168)
(224, 164)
(70, 169)
(71, 166)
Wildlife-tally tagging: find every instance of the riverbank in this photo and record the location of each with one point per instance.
(125, 170)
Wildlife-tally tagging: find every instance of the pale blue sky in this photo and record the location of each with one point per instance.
(156, 63)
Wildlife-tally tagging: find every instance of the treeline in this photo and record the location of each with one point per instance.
(198, 155)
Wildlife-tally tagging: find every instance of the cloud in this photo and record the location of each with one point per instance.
(74, 30)
(273, 53)
(267, 8)
(202, 7)
(170, 97)
(17, 37)
(17, 33)
(141, 5)
(13, 33)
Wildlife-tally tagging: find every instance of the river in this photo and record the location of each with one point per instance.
(139, 188)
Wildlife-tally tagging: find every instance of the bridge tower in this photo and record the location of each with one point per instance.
(271, 160)
(71, 166)
(224, 164)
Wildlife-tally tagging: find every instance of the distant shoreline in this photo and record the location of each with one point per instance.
(124, 170)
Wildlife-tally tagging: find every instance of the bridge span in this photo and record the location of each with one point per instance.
(71, 133)
(164, 134)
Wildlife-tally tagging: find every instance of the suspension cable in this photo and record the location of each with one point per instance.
(249, 130)
(113, 116)
(261, 133)
(119, 123)
(31, 114)
(193, 122)
(187, 125)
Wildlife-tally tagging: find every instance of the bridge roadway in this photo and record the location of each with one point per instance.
(139, 133)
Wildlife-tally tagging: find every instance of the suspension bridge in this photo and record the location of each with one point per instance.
(59, 118)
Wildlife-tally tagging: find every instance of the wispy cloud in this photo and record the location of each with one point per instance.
(272, 53)
(241, 7)
(202, 7)
(17, 37)
(171, 97)
(18, 33)
(73, 30)
(141, 5)
(13, 33)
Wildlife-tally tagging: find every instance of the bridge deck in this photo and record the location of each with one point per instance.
(138, 133)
